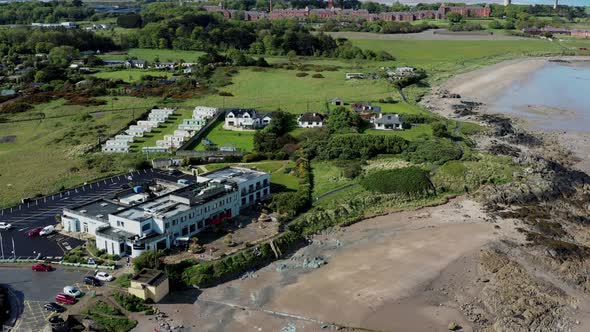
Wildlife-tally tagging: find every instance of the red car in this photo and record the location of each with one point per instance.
(63, 298)
(35, 232)
(41, 267)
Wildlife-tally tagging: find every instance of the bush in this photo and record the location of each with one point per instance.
(435, 151)
(130, 302)
(301, 74)
(318, 76)
(253, 157)
(149, 259)
(225, 94)
(410, 181)
(355, 146)
(439, 129)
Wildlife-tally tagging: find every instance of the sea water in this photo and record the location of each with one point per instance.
(554, 97)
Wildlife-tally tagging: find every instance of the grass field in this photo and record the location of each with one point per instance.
(48, 154)
(414, 133)
(278, 88)
(242, 140)
(150, 54)
(327, 177)
(131, 75)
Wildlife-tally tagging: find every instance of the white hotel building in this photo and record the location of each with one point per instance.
(125, 227)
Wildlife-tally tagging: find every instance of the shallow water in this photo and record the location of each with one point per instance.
(554, 97)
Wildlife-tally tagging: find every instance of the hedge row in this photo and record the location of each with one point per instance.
(410, 181)
(359, 146)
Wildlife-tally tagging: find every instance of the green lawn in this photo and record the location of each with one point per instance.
(131, 75)
(277, 169)
(150, 54)
(242, 140)
(327, 177)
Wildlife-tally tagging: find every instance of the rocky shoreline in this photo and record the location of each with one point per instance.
(548, 202)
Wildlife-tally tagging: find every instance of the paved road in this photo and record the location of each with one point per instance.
(33, 289)
(42, 211)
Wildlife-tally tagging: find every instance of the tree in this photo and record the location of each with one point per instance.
(342, 120)
(281, 123)
(454, 17)
(149, 259)
(129, 21)
(63, 55)
(439, 129)
(265, 141)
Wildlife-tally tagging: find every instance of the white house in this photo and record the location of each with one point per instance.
(136, 131)
(115, 146)
(245, 119)
(148, 124)
(310, 120)
(141, 64)
(204, 112)
(165, 65)
(182, 133)
(355, 75)
(388, 121)
(123, 137)
(192, 124)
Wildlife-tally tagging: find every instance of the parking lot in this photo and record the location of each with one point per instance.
(33, 289)
(41, 211)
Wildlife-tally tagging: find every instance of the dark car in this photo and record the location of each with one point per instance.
(35, 231)
(52, 306)
(90, 280)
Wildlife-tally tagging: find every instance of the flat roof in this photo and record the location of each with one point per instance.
(149, 276)
(234, 174)
(115, 233)
(99, 207)
(163, 206)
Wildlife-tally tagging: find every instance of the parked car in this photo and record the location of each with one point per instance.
(103, 276)
(4, 226)
(41, 267)
(90, 280)
(52, 306)
(35, 231)
(63, 298)
(72, 291)
(47, 230)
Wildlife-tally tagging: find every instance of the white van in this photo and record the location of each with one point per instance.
(47, 230)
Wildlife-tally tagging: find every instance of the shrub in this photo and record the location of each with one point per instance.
(301, 74)
(148, 259)
(317, 76)
(411, 181)
(16, 107)
(439, 129)
(435, 151)
(252, 157)
(355, 146)
(225, 94)
(130, 302)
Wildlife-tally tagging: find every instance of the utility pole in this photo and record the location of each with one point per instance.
(1, 246)
(13, 250)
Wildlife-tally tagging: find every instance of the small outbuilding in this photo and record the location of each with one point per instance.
(149, 284)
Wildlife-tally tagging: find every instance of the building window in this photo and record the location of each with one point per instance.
(243, 200)
(166, 225)
(251, 199)
(184, 231)
(85, 226)
(146, 227)
(174, 222)
(193, 228)
(265, 182)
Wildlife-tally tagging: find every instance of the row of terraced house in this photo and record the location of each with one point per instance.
(347, 14)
